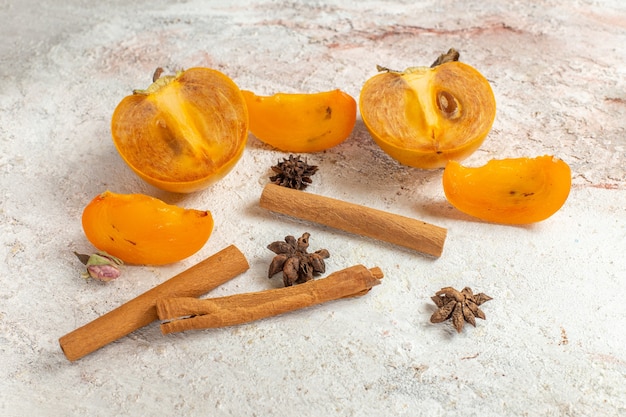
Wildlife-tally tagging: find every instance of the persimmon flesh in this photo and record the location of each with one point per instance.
(184, 132)
(424, 117)
(509, 191)
(140, 229)
(301, 122)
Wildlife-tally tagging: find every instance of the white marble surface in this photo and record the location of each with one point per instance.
(553, 343)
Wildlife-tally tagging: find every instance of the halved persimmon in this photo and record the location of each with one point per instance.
(140, 229)
(423, 117)
(184, 132)
(301, 122)
(509, 191)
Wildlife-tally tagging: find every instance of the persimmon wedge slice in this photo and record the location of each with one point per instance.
(423, 117)
(509, 191)
(184, 132)
(301, 122)
(140, 229)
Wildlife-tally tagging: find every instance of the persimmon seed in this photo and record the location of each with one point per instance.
(447, 104)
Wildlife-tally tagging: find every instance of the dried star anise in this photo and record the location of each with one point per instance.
(461, 306)
(292, 258)
(293, 172)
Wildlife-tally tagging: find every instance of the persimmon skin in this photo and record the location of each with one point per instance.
(301, 123)
(424, 117)
(140, 229)
(509, 191)
(184, 132)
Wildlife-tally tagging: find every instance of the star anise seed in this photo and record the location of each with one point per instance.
(481, 298)
(295, 262)
(444, 312)
(457, 316)
(468, 315)
(293, 172)
(461, 306)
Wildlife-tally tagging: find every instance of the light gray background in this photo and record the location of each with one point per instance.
(554, 341)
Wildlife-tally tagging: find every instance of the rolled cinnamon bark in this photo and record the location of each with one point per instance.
(194, 314)
(393, 228)
(141, 311)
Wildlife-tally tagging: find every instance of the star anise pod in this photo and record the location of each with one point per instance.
(293, 172)
(292, 258)
(460, 306)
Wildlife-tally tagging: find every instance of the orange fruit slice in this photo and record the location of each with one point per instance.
(302, 122)
(140, 229)
(509, 191)
(184, 132)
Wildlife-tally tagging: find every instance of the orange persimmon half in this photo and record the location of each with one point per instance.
(184, 132)
(509, 191)
(140, 229)
(424, 117)
(301, 122)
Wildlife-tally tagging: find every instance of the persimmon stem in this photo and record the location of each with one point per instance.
(450, 56)
(158, 81)
(157, 74)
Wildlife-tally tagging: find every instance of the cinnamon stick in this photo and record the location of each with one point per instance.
(393, 228)
(141, 311)
(194, 314)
